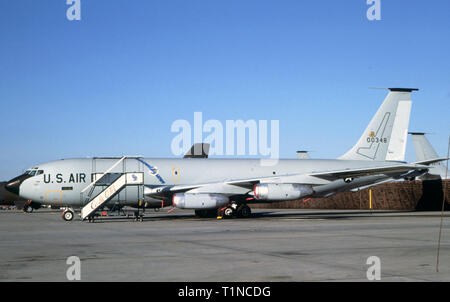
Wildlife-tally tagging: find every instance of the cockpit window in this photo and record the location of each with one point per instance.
(34, 172)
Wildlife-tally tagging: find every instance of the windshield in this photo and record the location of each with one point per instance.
(34, 172)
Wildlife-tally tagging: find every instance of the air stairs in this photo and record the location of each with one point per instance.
(112, 184)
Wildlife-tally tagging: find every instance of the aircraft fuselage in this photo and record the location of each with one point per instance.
(61, 182)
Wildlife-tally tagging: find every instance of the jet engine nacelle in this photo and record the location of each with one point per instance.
(275, 191)
(199, 201)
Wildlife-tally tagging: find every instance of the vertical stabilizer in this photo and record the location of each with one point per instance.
(424, 152)
(423, 148)
(385, 136)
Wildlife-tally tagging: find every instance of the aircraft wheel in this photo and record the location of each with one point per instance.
(228, 212)
(28, 209)
(68, 215)
(244, 211)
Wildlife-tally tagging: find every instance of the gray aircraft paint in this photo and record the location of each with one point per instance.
(63, 181)
(376, 139)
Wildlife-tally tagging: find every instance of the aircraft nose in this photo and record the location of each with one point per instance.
(13, 185)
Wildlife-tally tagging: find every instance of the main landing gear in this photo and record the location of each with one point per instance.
(236, 210)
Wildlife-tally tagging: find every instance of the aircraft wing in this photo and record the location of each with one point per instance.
(228, 185)
(431, 161)
(353, 173)
(221, 187)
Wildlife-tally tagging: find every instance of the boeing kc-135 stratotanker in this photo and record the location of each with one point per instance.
(226, 185)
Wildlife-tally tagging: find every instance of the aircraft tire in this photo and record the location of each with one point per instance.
(68, 215)
(228, 212)
(28, 209)
(244, 211)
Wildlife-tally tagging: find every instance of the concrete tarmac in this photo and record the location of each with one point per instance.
(274, 245)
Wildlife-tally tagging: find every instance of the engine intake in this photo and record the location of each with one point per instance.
(275, 191)
(199, 201)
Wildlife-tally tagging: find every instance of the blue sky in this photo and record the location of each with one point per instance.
(113, 82)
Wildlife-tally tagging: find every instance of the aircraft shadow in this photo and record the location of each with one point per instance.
(274, 214)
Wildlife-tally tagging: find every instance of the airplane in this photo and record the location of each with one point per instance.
(224, 186)
(424, 151)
